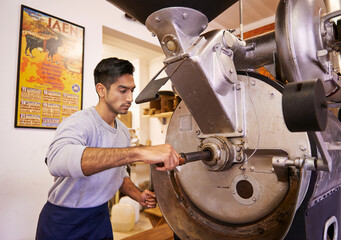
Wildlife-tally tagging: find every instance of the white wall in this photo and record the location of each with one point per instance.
(24, 177)
(157, 133)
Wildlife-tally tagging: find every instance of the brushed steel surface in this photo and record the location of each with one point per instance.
(303, 43)
(298, 39)
(203, 73)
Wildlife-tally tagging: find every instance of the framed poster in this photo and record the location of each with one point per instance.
(50, 70)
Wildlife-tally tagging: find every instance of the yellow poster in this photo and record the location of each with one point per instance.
(50, 70)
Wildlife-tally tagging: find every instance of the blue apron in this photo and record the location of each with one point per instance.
(62, 223)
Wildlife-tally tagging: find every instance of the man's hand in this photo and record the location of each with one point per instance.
(163, 154)
(147, 199)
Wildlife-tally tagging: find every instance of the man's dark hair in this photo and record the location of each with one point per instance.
(108, 70)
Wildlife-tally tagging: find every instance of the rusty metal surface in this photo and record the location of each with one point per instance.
(188, 222)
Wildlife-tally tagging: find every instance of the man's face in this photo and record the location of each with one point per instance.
(120, 94)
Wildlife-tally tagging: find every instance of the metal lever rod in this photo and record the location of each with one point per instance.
(326, 163)
(191, 157)
(194, 156)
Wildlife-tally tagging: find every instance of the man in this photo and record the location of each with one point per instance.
(87, 157)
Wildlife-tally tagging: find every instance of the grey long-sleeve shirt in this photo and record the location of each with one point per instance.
(71, 188)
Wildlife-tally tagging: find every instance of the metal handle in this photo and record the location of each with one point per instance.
(191, 157)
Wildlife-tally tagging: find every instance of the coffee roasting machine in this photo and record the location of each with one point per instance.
(268, 160)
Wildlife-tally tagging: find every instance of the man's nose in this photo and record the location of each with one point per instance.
(130, 97)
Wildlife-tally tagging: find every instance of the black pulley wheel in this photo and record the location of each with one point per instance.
(304, 106)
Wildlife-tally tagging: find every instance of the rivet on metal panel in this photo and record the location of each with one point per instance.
(238, 86)
(157, 19)
(184, 15)
(252, 169)
(171, 45)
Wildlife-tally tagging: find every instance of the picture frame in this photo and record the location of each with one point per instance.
(50, 70)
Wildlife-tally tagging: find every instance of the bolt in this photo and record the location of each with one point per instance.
(245, 176)
(254, 199)
(238, 86)
(233, 192)
(231, 70)
(272, 170)
(242, 168)
(171, 45)
(239, 158)
(252, 169)
(157, 19)
(153, 35)
(240, 130)
(184, 15)
(271, 93)
(253, 82)
(197, 132)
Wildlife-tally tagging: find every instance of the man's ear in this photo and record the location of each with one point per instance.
(100, 89)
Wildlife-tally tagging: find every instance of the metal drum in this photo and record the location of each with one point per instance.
(249, 200)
